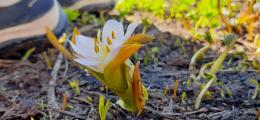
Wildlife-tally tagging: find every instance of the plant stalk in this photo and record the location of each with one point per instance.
(219, 62)
(203, 91)
(214, 69)
(194, 58)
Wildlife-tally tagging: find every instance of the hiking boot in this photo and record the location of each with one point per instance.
(88, 5)
(23, 21)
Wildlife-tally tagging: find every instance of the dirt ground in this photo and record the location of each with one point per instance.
(24, 85)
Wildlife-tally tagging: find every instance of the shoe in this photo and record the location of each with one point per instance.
(24, 21)
(88, 5)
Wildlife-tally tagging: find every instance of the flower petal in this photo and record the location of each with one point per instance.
(139, 39)
(130, 30)
(87, 62)
(85, 42)
(55, 42)
(123, 52)
(138, 88)
(95, 64)
(83, 51)
(112, 26)
(84, 46)
(118, 57)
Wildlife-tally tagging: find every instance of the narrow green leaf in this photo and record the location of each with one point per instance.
(219, 62)
(256, 83)
(28, 53)
(103, 108)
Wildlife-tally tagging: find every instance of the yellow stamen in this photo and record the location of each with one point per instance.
(96, 40)
(96, 49)
(63, 38)
(75, 33)
(108, 50)
(109, 41)
(113, 35)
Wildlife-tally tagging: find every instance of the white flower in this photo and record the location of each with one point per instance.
(107, 58)
(97, 53)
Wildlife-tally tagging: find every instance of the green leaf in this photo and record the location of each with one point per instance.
(218, 63)
(256, 83)
(145, 92)
(72, 14)
(212, 80)
(103, 108)
(146, 59)
(75, 86)
(208, 37)
(199, 55)
(229, 40)
(126, 100)
(28, 53)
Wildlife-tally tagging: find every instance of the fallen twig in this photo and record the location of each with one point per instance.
(66, 68)
(89, 113)
(161, 114)
(52, 83)
(197, 111)
(174, 74)
(9, 111)
(83, 100)
(69, 76)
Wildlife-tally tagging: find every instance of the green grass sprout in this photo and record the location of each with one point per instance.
(256, 83)
(199, 55)
(28, 53)
(184, 97)
(103, 107)
(228, 41)
(75, 86)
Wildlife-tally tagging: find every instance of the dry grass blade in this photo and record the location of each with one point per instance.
(9, 111)
(175, 91)
(55, 42)
(166, 90)
(65, 101)
(49, 64)
(165, 115)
